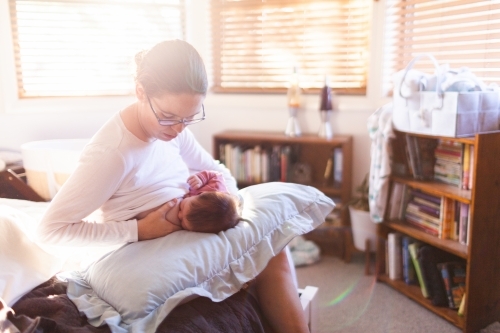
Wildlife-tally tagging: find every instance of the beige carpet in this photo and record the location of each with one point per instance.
(350, 302)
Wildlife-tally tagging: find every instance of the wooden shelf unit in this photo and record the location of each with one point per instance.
(314, 151)
(482, 253)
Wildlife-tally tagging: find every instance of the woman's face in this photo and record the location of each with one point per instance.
(169, 107)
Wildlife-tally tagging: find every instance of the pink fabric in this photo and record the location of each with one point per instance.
(211, 181)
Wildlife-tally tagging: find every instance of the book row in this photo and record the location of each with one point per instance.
(440, 275)
(442, 217)
(256, 164)
(443, 160)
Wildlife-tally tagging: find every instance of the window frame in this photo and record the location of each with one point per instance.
(362, 91)
(197, 33)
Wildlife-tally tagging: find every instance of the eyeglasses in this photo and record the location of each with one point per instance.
(172, 122)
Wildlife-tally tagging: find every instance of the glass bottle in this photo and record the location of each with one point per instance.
(325, 109)
(294, 100)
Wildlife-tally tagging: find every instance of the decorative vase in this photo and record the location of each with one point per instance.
(325, 129)
(292, 127)
(363, 228)
(294, 100)
(325, 110)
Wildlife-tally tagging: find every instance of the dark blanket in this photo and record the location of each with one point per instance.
(47, 309)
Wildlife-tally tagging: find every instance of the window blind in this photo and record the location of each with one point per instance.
(257, 43)
(461, 33)
(87, 48)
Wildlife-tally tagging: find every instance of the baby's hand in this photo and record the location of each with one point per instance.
(194, 182)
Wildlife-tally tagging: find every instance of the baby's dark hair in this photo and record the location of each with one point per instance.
(213, 212)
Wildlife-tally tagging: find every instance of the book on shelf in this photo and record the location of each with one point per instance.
(396, 201)
(424, 211)
(256, 170)
(265, 165)
(285, 156)
(395, 260)
(409, 275)
(463, 225)
(228, 155)
(422, 225)
(453, 274)
(337, 166)
(466, 168)
(448, 219)
(429, 257)
(275, 159)
(450, 158)
(222, 154)
(461, 308)
(328, 170)
(420, 154)
(472, 159)
(427, 198)
(411, 156)
(413, 249)
(456, 221)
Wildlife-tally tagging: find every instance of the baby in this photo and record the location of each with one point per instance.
(207, 207)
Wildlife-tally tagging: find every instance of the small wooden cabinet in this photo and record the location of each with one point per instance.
(482, 252)
(313, 152)
(13, 185)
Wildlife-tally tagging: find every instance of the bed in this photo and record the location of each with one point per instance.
(35, 298)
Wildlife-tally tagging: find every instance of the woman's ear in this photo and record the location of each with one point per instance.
(140, 93)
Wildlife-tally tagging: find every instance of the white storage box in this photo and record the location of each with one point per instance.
(433, 111)
(48, 163)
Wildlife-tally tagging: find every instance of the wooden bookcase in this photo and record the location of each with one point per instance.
(482, 252)
(312, 150)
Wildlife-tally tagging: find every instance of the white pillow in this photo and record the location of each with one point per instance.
(23, 264)
(135, 287)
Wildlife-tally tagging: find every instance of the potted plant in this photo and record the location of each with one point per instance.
(362, 226)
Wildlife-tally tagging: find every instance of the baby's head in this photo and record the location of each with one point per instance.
(209, 212)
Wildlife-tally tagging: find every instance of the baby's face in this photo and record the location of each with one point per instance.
(184, 208)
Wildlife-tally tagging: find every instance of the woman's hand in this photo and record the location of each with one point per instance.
(155, 224)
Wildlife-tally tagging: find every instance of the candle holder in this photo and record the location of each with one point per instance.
(292, 127)
(325, 111)
(325, 129)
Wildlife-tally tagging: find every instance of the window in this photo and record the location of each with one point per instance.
(257, 43)
(86, 47)
(456, 32)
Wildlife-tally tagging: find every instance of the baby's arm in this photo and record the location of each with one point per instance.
(207, 177)
(194, 182)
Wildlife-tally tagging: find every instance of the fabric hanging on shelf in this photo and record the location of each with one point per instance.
(381, 131)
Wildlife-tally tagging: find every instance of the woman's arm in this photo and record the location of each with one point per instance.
(96, 178)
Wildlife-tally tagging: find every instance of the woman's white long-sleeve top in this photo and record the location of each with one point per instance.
(117, 177)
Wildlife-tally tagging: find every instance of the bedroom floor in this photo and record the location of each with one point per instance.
(352, 302)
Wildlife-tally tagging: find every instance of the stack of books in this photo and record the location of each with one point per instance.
(256, 164)
(449, 162)
(424, 211)
(440, 275)
(420, 156)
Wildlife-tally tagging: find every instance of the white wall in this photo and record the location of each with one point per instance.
(36, 119)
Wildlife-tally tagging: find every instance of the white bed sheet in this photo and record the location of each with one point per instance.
(24, 264)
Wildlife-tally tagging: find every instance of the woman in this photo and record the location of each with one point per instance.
(141, 158)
